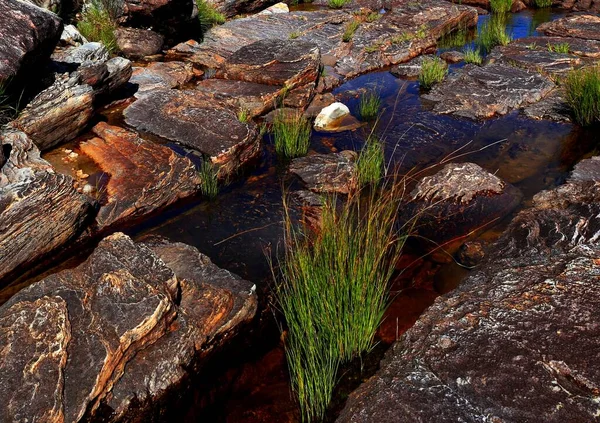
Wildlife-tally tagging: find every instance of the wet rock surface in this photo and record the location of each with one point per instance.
(374, 45)
(500, 347)
(582, 26)
(117, 333)
(40, 210)
(143, 176)
(161, 75)
(460, 199)
(327, 173)
(410, 69)
(29, 34)
(255, 99)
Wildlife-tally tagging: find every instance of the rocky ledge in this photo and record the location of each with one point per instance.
(507, 344)
(111, 337)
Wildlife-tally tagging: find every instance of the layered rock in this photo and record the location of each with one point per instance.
(115, 334)
(195, 121)
(143, 176)
(406, 31)
(40, 210)
(231, 8)
(327, 173)
(168, 17)
(29, 34)
(138, 43)
(586, 27)
(501, 346)
(161, 75)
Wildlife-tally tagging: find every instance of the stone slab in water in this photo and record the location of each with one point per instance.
(518, 341)
(583, 26)
(327, 173)
(115, 334)
(161, 75)
(195, 121)
(40, 210)
(482, 92)
(143, 176)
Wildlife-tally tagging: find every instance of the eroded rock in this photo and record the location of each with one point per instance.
(254, 99)
(586, 27)
(327, 173)
(161, 75)
(137, 43)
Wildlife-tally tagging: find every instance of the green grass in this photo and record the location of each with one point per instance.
(370, 164)
(243, 115)
(454, 39)
(582, 88)
(332, 290)
(370, 103)
(96, 24)
(559, 48)
(493, 33)
(472, 56)
(350, 29)
(402, 38)
(294, 35)
(543, 3)
(209, 185)
(500, 6)
(292, 134)
(422, 32)
(208, 15)
(373, 16)
(337, 4)
(433, 71)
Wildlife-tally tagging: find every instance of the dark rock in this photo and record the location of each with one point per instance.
(231, 8)
(121, 331)
(518, 340)
(458, 201)
(579, 5)
(172, 18)
(317, 104)
(161, 75)
(577, 46)
(51, 5)
(137, 43)
(29, 34)
(452, 56)
(40, 210)
(374, 44)
(85, 53)
(484, 91)
(552, 107)
(255, 99)
(327, 173)
(197, 122)
(144, 176)
(471, 253)
(119, 72)
(586, 27)
(410, 69)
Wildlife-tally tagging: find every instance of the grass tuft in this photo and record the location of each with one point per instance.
(208, 15)
(294, 35)
(209, 185)
(243, 115)
(433, 71)
(351, 28)
(96, 24)
(559, 48)
(473, 56)
(543, 3)
(493, 33)
(500, 6)
(373, 16)
(292, 134)
(370, 164)
(337, 4)
(370, 103)
(582, 87)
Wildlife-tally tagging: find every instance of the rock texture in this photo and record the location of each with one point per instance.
(143, 176)
(197, 122)
(137, 43)
(40, 210)
(161, 75)
(29, 35)
(586, 27)
(115, 334)
(327, 173)
(231, 8)
(374, 45)
(518, 340)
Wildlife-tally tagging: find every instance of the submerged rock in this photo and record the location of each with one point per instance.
(327, 173)
(586, 27)
(116, 334)
(518, 340)
(40, 210)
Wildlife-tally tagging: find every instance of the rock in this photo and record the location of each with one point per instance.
(231, 8)
(40, 210)
(137, 43)
(276, 8)
(452, 56)
(161, 75)
(501, 346)
(143, 176)
(327, 173)
(57, 114)
(518, 6)
(410, 69)
(71, 37)
(29, 34)
(86, 53)
(172, 18)
(119, 72)
(484, 91)
(51, 5)
(331, 115)
(578, 5)
(194, 120)
(458, 201)
(552, 107)
(374, 45)
(586, 27)
(318, 102)
(471, 253)
(116, 334)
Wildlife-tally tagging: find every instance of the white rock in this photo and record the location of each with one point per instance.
(330, 114)
(276, 8)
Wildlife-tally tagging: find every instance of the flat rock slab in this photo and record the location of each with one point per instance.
(577, 46)
(40, 210)
(143, 176)
(195, 121)
(518, 341)
(161, 75)
(586, 27)
(327, 173)
(115, 334)
(374, 45)
(29, 34)
(483, 92)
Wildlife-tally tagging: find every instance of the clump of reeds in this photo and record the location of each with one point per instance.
(337, 4)
(493, 33)
(369, 105)
(292, 134)
(472, 56)
(208, 15)
(97, 24)
(559, 48)
(582, 91)
(350, 29)
(500, 6)
(209, 181)
(370, 163)
(433, 71)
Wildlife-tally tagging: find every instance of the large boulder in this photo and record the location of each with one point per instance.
(138, 43)
(29, 34)
(111, 337)
(518, 341)
(40, 210)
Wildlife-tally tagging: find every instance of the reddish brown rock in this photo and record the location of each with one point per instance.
(143, 176)
(327, 173)
(137, 43)
(161, 75)
(586, 27)
(255, 99)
